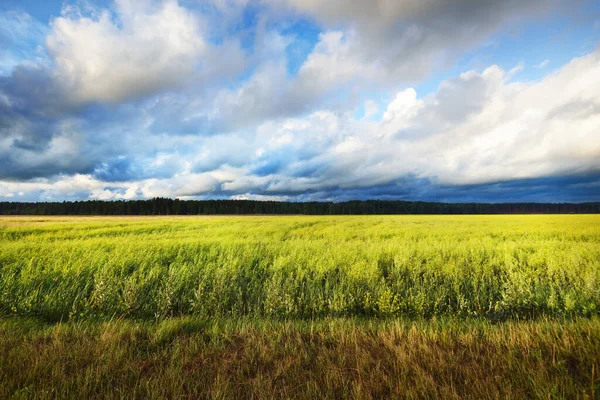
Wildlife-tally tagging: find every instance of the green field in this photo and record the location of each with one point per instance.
(409, 306)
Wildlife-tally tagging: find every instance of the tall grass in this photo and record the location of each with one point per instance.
(492, 267)
(328, 358)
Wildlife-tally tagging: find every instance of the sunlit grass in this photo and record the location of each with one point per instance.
(300, 307)
(493, 267)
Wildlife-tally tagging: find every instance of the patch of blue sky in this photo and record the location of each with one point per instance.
(372, 104)
(541, 47)
(537, 46)
(46, 10)
(42, 10)
(227, 22)
(305, 36)
(21, 40)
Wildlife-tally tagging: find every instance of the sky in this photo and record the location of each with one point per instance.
(300, 100)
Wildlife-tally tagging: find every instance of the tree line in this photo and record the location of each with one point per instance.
(166, 206)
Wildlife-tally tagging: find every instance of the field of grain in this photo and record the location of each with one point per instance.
(496, 267)
(363, 306)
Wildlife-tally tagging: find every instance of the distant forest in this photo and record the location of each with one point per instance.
(165, 206)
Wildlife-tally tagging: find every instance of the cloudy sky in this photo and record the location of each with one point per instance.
(445, 100)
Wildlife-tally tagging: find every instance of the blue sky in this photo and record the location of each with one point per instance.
(300, 100)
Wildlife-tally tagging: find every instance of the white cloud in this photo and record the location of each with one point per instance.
(477, 128)
(141, 49)
(61, 187)
(543, 64)
(516, 69)
(333, 61)
(272, 93)
(371, 108)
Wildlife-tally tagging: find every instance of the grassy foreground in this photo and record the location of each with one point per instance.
(300, 307)
(331, 358)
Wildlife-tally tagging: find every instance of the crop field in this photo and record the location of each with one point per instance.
(229, 307)
(495, 267)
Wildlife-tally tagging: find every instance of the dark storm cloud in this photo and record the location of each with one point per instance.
(577, 188)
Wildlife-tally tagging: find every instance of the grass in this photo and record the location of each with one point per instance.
(300, 307)
(496, 267)
(332, 358)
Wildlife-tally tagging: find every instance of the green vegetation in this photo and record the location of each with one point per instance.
(165, 206)
(496, 267)
(357, 306)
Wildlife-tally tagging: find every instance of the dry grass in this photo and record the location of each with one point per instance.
(332, 358)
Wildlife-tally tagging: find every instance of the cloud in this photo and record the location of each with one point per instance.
(324, 78)
(83, 108)
(31, 153)
(364, 46)
(406, 39)
(144, 48)
(478, 129)
(543, 64)
(370, 109)
(151, 98)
